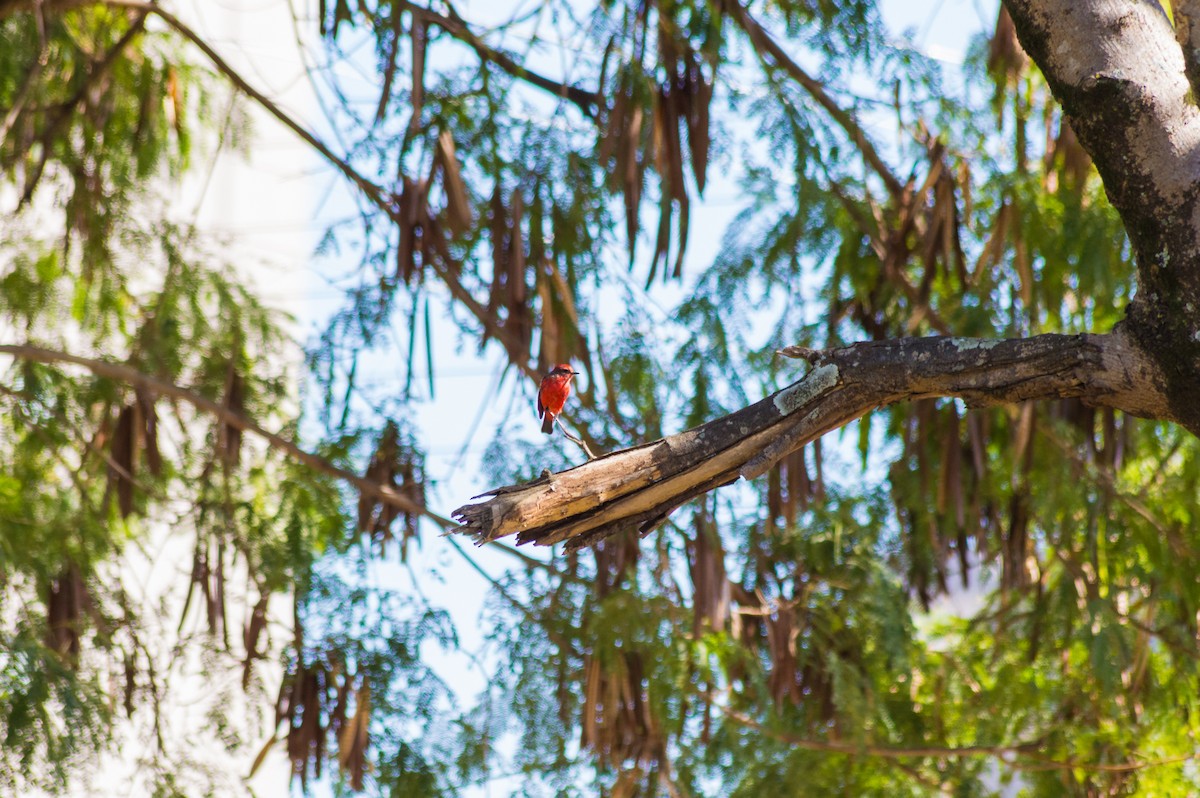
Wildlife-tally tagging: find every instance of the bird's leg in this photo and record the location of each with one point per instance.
(570, 437)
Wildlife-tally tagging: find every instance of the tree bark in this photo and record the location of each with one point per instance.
(639, 487)
(1121, 77)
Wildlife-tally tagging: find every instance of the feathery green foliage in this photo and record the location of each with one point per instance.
(790, 636)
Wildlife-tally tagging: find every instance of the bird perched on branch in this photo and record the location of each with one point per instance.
(552, 395)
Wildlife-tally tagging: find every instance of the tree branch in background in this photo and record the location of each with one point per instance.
(137, 379)
(640, 487)
(373, 191)
(1018, 756)
(764, 45)
(62, 114)
(588, 102)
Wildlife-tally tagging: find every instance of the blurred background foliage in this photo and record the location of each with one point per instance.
(936, 600)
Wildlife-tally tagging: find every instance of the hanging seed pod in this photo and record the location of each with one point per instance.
(341, 701)
(818, 482)
(256, 622)
(774, 498)
(632, 169)
(706, 564)
(976, 437)
(122, 465)
(1016, 544)
(306, 739)
(660, 137)
(798, 487)
(130, 672)
(951, 459)
(397, 466)
(550, 349)
(945, 226)
(458, 206)
(964, 186)
(668, 162)
(417, 97)
(353, 739)
(520, 315)
(1006, 59)
(210, 574)
(700, 94)
(374, 517)
(993, 248)
(412, 212)
(498, 230)
(148, 416)
(782, 680)
(66, 599)
(611, 135)
(925, 410)
(617, 724)
(229, 438)
(938, 549)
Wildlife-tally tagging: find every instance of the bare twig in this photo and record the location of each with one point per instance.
(577, 441)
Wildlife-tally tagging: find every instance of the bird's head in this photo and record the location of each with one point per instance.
(563, 370)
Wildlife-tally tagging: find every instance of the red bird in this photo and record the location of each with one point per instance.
(552, 395)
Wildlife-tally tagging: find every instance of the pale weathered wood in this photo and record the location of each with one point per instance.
(639, 487)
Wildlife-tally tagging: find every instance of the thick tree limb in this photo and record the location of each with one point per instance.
(1121, 78)
(640, 487)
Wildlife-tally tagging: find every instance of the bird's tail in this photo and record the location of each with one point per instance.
(548, 423)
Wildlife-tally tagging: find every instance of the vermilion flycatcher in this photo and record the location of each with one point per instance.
(552, 395)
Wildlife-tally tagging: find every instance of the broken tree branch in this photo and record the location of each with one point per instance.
(640, 487)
